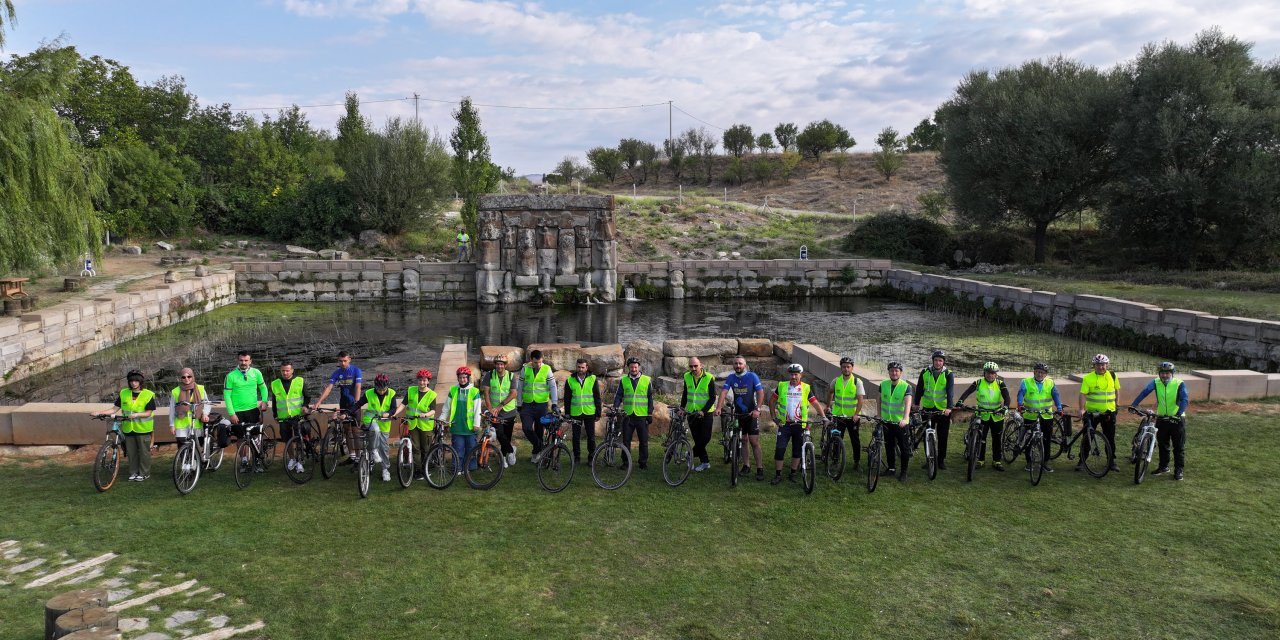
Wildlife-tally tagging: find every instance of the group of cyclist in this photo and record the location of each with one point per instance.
(503, 396)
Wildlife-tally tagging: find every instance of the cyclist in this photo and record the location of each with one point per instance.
(462, 413)
(379, 404)
(464, 243)
(1171, 417)
(537, 385)
(138, 406)
(993, 395)
(845, 399)
(245, 394)
(582, 401)
(635, 399)
(699, 403)
(185, 425)
(936, 387)
(1038, 400)
(791, 404)
(288, 401)
(498, 392)
(348, 378)
(895, 408)
(748, 396)
(419, 407)
(1098, 392)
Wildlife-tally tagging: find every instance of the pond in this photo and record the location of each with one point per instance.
(398, 340)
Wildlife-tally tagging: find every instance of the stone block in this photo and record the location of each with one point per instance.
(1273, 390)
(759, 347)
(1239, 328)
(526, 281)
(701, 347)
(648, 353)
(1206, 323)
(669, 386)
(6, 424)
(9, 327)
(817, 361)
(783, 349)
(514, 356)
(604, 358)
(569, 280)
(560, 356)
(1234, 384)
(676, 365)
(1269, 331)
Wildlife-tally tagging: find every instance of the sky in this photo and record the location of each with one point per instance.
(553, 79)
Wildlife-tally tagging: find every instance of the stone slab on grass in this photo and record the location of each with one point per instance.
(1234, 384)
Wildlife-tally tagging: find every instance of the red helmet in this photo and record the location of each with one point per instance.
(464, 371)
(382, 380)
(424, 373)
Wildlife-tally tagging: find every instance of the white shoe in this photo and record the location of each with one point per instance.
(297, 466)
(133, 477)
(386, 476)
(511, 459)
(537, 457)
(289, 465)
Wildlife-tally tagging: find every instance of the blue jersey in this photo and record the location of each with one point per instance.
(744, 389)
(346, 380)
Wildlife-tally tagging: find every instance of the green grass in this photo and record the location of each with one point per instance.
(1072, 558)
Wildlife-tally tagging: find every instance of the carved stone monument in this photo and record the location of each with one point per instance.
(532, 244)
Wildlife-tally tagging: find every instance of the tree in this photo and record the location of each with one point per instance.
(605, 162)
(675, 153)
(630, 150)
(648, 158)
(473, 172)
(7, 16)
(570, 168)
(765, 143)
(786, 135)
(1197, 168)
(822, 137)
(738, 140)
(399, 176)
(1027, 144)
(927, 136)
(888, 160)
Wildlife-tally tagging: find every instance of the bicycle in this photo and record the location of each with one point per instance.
(334, 445)
(556, 464)
(975, 442)
(300, 452)
(1099, 447)
(731, 440)
(831, 452)
(808, 468)
(199, 453)
(677, 458)
(1060, 436)
(1144, 443)
(924, 432)
(106, 465)
(875, 451)
(1010, 434)
(255, 453)
(611, 462)
(487, 460)
(1026, 436)
(404, 455)
(441, 463)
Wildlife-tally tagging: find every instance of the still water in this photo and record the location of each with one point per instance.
(398, 340)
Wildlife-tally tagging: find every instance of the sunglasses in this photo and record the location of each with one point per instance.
(186, 377)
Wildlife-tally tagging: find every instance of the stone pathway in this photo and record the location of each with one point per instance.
(151, 605)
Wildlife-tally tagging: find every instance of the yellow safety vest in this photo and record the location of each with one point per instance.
(1039, 402)
(468, 418)
(934, 393)
(845, 397)
(635, 399)
(374, 407)
(418, 404)
(697, 392)
(1167, 397)
(1099, 391)
(990, 400)
(780, 409)
(535, 387)
(498, 390)
(184, 422)
(130, 404)
(291, 400)
(582, 399)
(893, 400)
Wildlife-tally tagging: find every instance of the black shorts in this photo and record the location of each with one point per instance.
(750, 425)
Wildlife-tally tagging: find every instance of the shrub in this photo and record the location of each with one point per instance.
(900, 236)
(994, 247)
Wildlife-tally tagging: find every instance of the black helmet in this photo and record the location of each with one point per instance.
(633, 360)
(1166, 366)
(795, 367)
(1040, 366)
(894, 364)
(846, 360)
(939, 354)
(135, 375)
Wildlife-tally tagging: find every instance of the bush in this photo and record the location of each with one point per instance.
(437, 240)
(900, 236)
(998, 247)
(313, 215)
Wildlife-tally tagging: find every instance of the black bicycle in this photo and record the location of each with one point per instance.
(808, 464)
(106, 465)
(1025, 437)
(611, 462)
(556, 464)
(256, 452)
(199, 453)
(924, 433)
(335, 445)
(1099, 455)
(731, 441)
(975, 442)
(831, 452)
(875, 451)
(301, 452)
(441, 465)
(677, 457)
(1144, 443)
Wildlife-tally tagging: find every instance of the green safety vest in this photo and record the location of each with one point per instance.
(1102, 390)
(292, 400)
(130, 404)
(463, 238)
(582, 399)
(780, 410)
(184, 422)
(635, 400)
(1039, 402)
(499, 388)
(373, 407)
(535, 387)
(419, 404)
(934, 393)
(989, 400)
(697, 392)
(462, 406)
(845, 397)
(893, 400)
(1167, 397)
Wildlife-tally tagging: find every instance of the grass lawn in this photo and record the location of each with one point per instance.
(1072, 558)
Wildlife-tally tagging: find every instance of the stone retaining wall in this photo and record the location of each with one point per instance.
(46, 338)
(751, 278)
(343, 280)
(1172, 333)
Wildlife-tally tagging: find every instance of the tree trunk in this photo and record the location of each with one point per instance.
(70, 601)
(1042, 233)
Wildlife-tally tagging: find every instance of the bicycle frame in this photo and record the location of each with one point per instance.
(1145, 427)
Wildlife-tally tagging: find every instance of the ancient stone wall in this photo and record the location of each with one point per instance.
(536, 246)
(751, 278)
(343, 280)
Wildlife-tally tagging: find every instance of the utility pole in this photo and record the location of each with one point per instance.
(670, 142)
(415, 106)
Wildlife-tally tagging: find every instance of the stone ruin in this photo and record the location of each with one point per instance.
(546, 248)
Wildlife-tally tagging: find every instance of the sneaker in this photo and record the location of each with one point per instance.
(133, 478)
(288, 465)
(702, 467)
(1177, 474)
(902, 477)
(1026, 467)
(537, 457)
(777, 479)
(643, 466)
(981, 464)
(1079, 466)
(386, 475)
(511, 458)
(297, 466)
(891, 471)
(760, 474)
(1114, 467)
(745, 470)
(1046, 468)
(144, 478)
(791, 477)
(998, 466)
(1161, 471)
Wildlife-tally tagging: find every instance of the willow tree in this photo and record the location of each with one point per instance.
(48, 181)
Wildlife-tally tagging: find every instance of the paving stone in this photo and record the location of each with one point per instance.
(154, 635)
(124, 571)
(217, 596)
(85, 577)
(117, 595)
(182, 617)
(218, 622)
(9, 554)
(114, 583)
(149, 584)
(133, 624)
(30, 564)
(154, 607)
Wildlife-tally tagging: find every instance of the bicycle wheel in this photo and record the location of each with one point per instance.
(555, 469)
(442, 467)
(808, 469)
(363, 469)
(725, 440)
(268, 447)
(297, 465)
(186, 469)
(931, 455)
(483, 466)
(245, 461)
(1009, 437)
(1035, 458)
(873, 465)
(1140, 466)
(331, 449)
(404, 462)
(1058, 441)
(611, 465)
(834, 459)
(215, 458)
(677, 462)
(1101, 454)
(106, 465)
(735, 458)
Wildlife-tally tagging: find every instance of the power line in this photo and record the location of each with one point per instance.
(311, 106)
(490, 106)
(699, 119)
